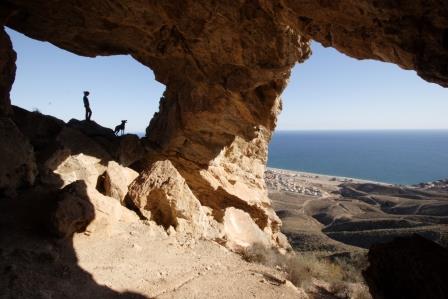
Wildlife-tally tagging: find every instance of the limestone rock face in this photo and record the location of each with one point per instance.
(81, 207)
(76, 157)
(130, 150)
(72, 211)
(225, 65)
(63, 154)
(162, 195)
(17, 162)
(117, 180)
(411, 34)
(108, 212)
(80, 167)
(241, 231)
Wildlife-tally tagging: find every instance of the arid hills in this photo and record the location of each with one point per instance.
(327, 213)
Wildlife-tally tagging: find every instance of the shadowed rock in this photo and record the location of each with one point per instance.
(17, 161)
(91, 128)
(117, 180)
(72, 211)
(408, 268)
(7, 69)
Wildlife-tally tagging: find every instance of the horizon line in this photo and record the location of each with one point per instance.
(336, 130)
(366, 129)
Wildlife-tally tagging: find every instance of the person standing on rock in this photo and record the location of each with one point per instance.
(87, 105)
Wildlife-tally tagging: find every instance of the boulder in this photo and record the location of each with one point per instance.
(411, 267)
(241, 232)
(75, 157)
(17, 162)
(77, 167)
(102, 136)
(72, 211)
(61, 150)
(130, 150)
(109, 213)
(78, 142)
(80, 207)
(90, 128)
(162, 195)
(40, 129)
(117, 180)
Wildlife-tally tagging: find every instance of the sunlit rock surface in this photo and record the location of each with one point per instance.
(225, 65)
(117, 180)
(162, 195)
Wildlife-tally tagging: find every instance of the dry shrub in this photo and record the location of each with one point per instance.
(344, 278)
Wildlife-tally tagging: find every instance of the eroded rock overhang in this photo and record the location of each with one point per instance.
(225, 65)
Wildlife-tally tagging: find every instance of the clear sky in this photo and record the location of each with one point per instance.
(328, 91)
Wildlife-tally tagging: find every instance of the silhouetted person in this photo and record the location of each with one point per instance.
(120, 127)
(87, 105)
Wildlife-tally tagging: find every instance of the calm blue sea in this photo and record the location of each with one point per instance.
(400, 157)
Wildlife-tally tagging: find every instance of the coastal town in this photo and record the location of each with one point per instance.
(305, 183)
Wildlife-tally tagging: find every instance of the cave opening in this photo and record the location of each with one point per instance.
(361, 118)
(51, 81)
(225, 67)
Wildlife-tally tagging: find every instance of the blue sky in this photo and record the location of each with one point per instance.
(329, 91)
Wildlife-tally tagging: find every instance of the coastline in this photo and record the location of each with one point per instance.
(308, 183)
(323, 213)
(342, 179)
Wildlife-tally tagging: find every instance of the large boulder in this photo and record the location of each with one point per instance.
(117, 180)
(241, 232)
(90, 128)
(80, 207)
(76, 157)
(72, 211)
(407, 268)
(109, 213)
(17, 162)
(40, 129)
(130, 150)
(78, 167)
(162, 195)
(77, 143)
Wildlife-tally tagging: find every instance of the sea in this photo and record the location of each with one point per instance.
(398, 157)
(391, 156)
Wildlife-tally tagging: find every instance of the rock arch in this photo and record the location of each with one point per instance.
(225, 65)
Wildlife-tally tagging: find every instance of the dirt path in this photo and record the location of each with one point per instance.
(148, 262)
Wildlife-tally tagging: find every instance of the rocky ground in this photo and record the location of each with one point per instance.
(337, 214)
(77, 229)
(129, 259)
